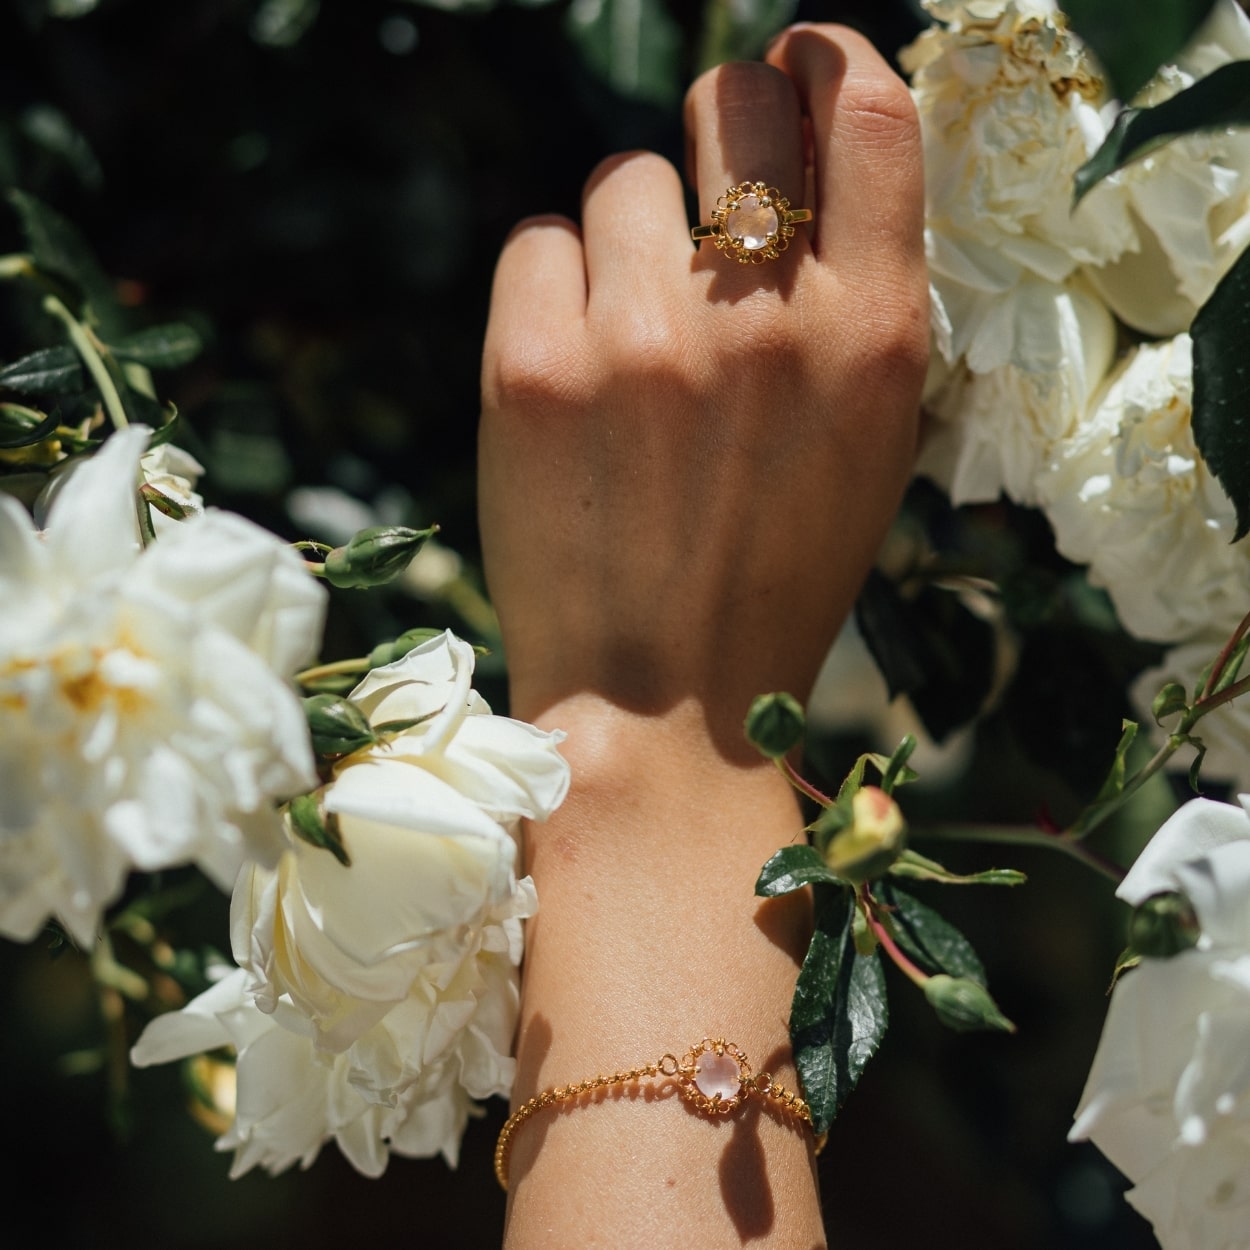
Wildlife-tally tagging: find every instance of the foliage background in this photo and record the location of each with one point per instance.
(322, 191)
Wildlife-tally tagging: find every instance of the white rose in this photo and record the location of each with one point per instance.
(145, 719)
(426, 819)
(1168, 1096)
(1225, 731)
(1129, 495)
(1010, 107)
(397, 974)
(1190, 198)
(1045, 350)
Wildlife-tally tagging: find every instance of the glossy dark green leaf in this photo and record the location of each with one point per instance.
(1219, 100)
(634, 46)
(24, 427)
(791, 868)
(839, 1014)
(60, 250)
(1132, 40)
(160, 347)
(925, 938)
(50, 371)
(1221, 420)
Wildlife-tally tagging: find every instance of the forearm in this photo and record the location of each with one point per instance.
(648, 939)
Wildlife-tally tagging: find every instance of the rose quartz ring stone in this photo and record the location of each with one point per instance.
(752, 223)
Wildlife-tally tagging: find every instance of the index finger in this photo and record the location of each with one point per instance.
(869, 166)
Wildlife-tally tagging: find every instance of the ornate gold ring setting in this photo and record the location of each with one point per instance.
(752, 223)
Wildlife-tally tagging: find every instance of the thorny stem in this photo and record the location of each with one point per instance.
(867, 905)
(1222, 659)
(804, 787)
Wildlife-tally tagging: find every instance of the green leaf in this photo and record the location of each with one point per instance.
(1221, 416)
(160, 347)
(338, 726)
(1221, 99)
(24, 427)
(61, 251)
(931, 648)
(1130, 42)
(896, 772)
(1109, 795)
(791, 868)
(774, 724)
(919, 868)
(739, 30)
(1170, 700)
(839, 1014)
(634, 46)
(925, 938)
(51, 370)
(316, 828)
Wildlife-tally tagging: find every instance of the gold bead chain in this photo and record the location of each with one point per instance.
(684, 1072)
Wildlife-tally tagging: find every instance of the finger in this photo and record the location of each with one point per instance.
(634, 224)
(743, 124)
(865, 141)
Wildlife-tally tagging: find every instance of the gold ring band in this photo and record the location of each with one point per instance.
(752, 223)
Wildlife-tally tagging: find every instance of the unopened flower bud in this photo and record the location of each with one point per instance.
(874, 839)
(964, 1005)
(774, 724)
(337, 725)
(374, 556)
(1163, 925)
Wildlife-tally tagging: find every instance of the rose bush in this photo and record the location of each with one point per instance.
(1168, 1096)
(148, 716)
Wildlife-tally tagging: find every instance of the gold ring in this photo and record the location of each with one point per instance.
(752, 222)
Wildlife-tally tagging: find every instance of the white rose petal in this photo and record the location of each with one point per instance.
(1168, 1095)
(145, 714)
(1128, 494)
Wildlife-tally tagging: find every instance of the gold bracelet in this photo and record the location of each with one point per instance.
(714, 1076)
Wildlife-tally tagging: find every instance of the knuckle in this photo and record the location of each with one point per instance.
(531, 375)
(881, 109)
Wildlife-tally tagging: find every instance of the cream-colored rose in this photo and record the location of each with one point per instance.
(396, 976)
(1010, 107)
(1168, 1096)
(1129, 495)
(145, 715)
(1190, 198)
(993, 430)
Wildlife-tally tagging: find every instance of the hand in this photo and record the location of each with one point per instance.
(687, 464)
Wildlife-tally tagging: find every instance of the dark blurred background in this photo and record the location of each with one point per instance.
(322, 189)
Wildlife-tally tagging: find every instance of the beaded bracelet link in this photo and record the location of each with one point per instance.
(713, 1075)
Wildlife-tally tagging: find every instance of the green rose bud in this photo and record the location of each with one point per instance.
(774, 724)
(1163, 926)
(375, 556)
(963, 1005)
(875, 837)
(337, 725)
(388, 652)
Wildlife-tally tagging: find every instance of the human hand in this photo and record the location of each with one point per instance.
(687, 464)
